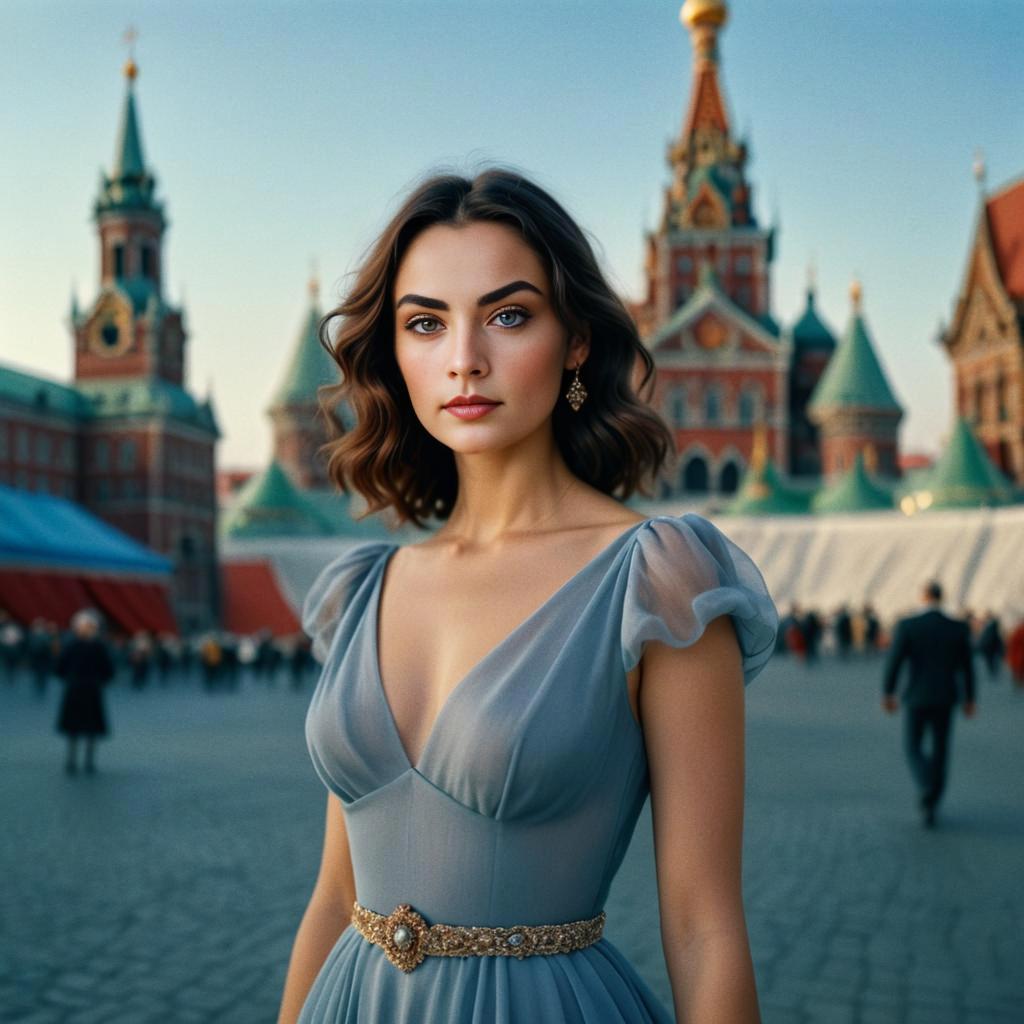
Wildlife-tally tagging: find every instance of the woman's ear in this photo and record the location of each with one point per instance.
(579, 348)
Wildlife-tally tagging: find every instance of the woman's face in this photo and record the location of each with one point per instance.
(473, 316)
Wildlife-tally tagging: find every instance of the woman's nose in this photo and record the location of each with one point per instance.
(466, 349)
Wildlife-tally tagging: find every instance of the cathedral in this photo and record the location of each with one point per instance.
(126, 438)
(727, 371)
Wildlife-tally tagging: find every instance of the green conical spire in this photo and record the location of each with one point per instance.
(128, 161)
(761, 492)
(855, 491)
(270, 505)
(963, 477)
(810, 331)
(853, 377)
(311, 365)
(130, 184)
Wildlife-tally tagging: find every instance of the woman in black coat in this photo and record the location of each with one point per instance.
(85, 666)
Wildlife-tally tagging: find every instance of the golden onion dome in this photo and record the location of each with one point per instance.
(704, 12)
(131, 70)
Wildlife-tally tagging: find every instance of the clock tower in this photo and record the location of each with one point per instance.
(147, 446)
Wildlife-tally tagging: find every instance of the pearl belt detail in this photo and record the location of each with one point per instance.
(406, 938)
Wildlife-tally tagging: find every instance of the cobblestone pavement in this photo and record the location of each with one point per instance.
(167, 888)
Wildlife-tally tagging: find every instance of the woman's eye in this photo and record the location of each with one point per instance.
(508, 317)
(429, 324)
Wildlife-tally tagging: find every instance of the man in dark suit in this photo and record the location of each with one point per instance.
(939, 651)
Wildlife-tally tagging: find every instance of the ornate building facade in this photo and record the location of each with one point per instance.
(126, 439)
(724, 364)
(985, 340)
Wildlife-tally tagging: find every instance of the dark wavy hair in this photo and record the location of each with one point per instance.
(615, 442)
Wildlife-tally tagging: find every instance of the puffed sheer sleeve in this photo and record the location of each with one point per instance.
(330, 593)
(684, 572)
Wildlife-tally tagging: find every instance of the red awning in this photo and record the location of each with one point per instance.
(253, 601)
(129, 604)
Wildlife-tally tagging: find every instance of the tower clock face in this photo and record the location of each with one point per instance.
(109, 334)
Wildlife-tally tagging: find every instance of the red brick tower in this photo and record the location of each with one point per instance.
(147, 447)
(706, 313)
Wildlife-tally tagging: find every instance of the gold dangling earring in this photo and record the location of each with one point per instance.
(577, 393)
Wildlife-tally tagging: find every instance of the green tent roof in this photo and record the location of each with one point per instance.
(853, 376)
(854, 491)
(963, 476)
(310, 368)
(270, 505)
(810, 331)
(762, 493)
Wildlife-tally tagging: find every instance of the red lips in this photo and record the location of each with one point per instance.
(470, 400)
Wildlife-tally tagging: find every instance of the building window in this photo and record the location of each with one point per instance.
(676, 405)
(101, 488)
(127, 454)
(743, 264)
(684, 264)
(744, 296)
(979, 401)
(147, 263)
(69, 489)
(66, 454)
(101, 454)
(118, 260)
(3, 441)
(43, 449)
(21, 445)
(682, 294)
(712, 405)
(750, 402)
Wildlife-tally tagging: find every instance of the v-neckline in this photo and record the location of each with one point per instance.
(373, 617)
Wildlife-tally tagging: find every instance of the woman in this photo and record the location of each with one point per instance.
(86, 667)
(480, 721)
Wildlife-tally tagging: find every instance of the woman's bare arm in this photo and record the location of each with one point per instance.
(327, 915)
(692, 709)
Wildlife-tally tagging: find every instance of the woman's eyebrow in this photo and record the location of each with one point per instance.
(498, 293)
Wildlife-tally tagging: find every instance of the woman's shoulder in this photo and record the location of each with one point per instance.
(334, 587)
(684, 572)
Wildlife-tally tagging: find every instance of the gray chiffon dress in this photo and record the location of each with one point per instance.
(525, 797)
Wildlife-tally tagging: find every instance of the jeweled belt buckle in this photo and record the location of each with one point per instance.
(404, 937)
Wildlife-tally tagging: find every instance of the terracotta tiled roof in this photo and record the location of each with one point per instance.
(1006, 224)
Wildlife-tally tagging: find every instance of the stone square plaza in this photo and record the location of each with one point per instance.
(167, 887)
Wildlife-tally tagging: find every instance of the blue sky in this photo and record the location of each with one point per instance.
(285, 132)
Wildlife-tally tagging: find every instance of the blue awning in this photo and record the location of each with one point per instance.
(44, 530)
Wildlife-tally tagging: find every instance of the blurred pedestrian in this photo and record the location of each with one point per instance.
(140, 658)
(872, 630)
(811, 628)
(938, 649)
(40, 652)
(10, 645)
(843, 627)
(1015, 655)
(210, 658)
(990, 644)
(85, 666)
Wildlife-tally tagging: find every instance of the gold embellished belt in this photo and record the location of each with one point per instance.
(406, 938)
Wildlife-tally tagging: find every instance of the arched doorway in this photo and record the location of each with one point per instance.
(729, 478)
(695, 476)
